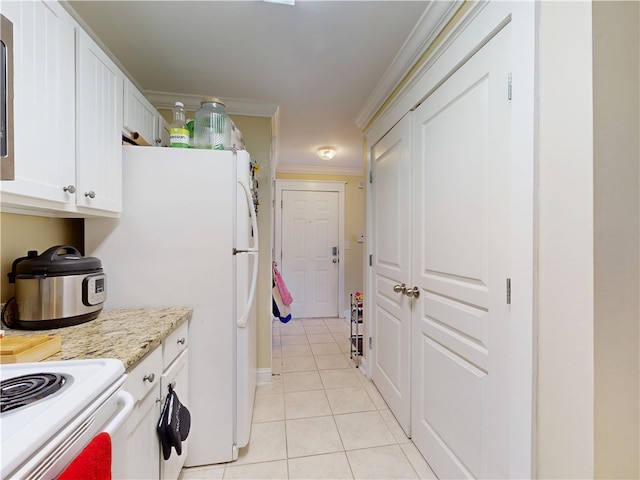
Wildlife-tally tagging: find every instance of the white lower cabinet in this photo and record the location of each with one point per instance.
(148, 383)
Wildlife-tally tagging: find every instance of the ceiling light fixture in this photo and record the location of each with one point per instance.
(326, 153)
(282, 2)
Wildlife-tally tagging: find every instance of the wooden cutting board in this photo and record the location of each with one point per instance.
(29, 349)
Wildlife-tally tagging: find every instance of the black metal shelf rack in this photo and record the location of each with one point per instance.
(356, 330)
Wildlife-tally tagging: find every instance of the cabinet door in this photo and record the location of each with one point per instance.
(143, 447)
(99, 145)
(44, 103)
(162, 129)
(176, 375)
(139, 114)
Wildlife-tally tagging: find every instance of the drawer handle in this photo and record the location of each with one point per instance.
(149, 378)
(181, 341)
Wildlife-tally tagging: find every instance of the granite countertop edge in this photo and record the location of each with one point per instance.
(125, 334)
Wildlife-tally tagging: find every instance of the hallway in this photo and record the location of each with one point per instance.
(320, 418)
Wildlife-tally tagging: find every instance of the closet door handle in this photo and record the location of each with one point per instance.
(401, 288)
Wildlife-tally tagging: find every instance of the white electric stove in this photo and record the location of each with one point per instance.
(52, 410)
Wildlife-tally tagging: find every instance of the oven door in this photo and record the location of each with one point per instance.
(108, 413)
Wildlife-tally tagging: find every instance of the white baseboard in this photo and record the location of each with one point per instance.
(263, 376)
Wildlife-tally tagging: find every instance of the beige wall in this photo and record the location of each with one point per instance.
(616, 94)
(20, 233)
(354, 220)
(565, 411)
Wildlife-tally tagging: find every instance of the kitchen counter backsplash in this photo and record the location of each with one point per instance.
(127, 334)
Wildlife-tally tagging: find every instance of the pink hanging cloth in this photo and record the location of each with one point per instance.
(287, 299)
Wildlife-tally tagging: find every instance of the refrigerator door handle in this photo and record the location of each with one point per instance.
(242, 321)
(252, 212)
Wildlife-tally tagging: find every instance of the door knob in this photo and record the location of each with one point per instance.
(335, 260)
(402, 288)
(412, 292)
(90, 194)
(69, 189)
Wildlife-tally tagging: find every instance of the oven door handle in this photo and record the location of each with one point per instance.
(126, 402)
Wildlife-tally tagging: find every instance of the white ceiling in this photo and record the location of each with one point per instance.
(317, 61)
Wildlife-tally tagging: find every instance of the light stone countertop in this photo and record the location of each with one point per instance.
(127, 334)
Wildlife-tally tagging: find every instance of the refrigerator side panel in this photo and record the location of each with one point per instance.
(173, 246)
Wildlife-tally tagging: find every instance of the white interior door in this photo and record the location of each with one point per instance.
(461, 365)
(391, 249)
(310, 251)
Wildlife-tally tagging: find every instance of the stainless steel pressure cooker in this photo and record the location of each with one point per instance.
(58, 288)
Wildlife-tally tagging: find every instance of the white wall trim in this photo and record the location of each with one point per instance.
(314, 186)
(264, 376)
(434, 18)
(234, 106)
(422, 83)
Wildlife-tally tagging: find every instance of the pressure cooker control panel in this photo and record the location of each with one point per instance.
(94, 289)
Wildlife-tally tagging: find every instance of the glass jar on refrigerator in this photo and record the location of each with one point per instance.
(212, 126)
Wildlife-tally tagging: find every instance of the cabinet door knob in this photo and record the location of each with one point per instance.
(69, 189)
(149, 378)
(181, 341)
(90, 194)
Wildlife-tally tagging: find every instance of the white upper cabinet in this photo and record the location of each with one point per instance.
(163, 131)
(44, 105)
(99, 143)
(139, 115)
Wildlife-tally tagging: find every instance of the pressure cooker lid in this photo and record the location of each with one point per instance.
(58, 260)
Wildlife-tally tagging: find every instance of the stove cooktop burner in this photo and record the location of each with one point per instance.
(24, 390)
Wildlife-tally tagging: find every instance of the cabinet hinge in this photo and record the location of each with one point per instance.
(370, 176)
(509, 93)
(370, 260)
(370, 343)
(508, 291)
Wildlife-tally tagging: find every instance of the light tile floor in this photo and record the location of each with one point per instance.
(320, 418)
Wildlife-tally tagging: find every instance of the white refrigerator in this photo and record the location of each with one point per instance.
(187, 236)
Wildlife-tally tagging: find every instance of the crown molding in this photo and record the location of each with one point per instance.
(433, 20)
(234, 106)
(320, 170)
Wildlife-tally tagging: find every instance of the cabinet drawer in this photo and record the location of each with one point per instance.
(145, 375)
(174, 344)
